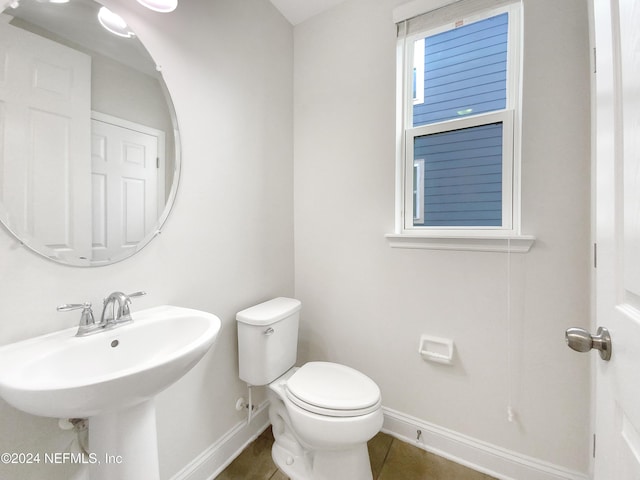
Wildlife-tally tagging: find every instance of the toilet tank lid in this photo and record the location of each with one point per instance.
(269, 312)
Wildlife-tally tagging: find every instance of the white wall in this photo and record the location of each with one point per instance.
(366, 304)
(124, 92)
(228, 243)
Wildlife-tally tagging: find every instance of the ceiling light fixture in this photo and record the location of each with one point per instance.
(163, 6)
(114, 23)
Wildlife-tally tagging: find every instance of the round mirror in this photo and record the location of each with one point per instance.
(89, 157)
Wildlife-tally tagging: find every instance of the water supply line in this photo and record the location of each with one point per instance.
(81, 429)
(240, 404)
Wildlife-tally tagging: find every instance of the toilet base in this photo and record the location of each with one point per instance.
(324, 464)
(293, 466)
(300, 460)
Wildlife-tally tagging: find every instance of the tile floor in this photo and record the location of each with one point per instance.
(391, 459)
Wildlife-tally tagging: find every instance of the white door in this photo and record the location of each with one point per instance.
(617, 25)
(45, 105)
(127, 188)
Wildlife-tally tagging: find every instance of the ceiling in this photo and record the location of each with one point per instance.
(297, 11)
(77, 22)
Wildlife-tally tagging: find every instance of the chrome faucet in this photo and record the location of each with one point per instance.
(116, 311)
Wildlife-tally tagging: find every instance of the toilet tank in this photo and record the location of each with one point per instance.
(268, 339)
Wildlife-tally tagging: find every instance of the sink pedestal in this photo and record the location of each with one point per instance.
(124, 444)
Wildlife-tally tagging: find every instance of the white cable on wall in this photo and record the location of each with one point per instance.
(510, 411)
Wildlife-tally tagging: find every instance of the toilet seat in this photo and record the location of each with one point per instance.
(333, 390)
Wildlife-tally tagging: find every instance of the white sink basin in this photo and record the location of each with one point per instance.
(61, 375)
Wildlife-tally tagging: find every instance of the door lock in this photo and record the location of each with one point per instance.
(581, 340)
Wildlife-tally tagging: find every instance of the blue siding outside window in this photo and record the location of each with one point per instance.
(462, 176)
(465, 74)
(465, 71)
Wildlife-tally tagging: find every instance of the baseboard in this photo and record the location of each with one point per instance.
(210, 463)
(483, 457)
(480, 456)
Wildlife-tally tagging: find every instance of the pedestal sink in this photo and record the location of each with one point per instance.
(111, 378)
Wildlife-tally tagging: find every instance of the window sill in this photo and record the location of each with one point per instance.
(512, 243)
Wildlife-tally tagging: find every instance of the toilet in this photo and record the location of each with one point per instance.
(322, 413)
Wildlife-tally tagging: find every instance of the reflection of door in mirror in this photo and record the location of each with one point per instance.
(128, 184)
(44, 172)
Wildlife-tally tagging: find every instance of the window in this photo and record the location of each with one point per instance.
(458, 134)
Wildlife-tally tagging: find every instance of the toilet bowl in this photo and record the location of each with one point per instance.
(322, 413)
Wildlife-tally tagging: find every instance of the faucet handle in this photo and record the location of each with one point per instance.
(87, 321)
(67, 307)
(126, 311)
(137, 294)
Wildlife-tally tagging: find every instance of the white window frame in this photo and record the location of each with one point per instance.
(503, 116)
(418, 190)
(453, 237)
(418, 66)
